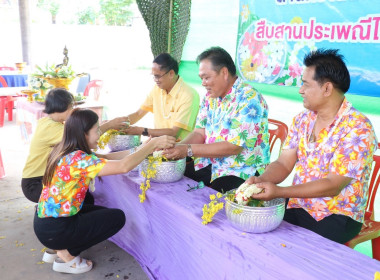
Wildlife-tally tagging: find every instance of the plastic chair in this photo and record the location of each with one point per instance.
(7, 68)
(5, 102)
(371, 228)
(2, 171)
(280, 132)
(97, 85)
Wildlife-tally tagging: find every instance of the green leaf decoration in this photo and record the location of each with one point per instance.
(168, 24)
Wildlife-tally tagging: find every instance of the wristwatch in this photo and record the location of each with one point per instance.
(145, 132)
(189, 151)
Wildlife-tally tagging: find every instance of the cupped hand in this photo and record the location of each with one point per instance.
(179, 151)
(270, 191)
(164, 142)
(119, 123)
(253, 180)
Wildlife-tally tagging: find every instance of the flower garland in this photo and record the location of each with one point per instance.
(151, 171)
(241, 196)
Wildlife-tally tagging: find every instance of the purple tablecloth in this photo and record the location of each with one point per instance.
(166, 236)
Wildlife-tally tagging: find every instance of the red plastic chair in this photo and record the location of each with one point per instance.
(280, 132)
(371, 228)
(2, 171)
(96, 85)
(5, 102)
(7, 68)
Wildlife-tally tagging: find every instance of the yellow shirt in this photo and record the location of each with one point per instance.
(178, 108)
(47, 134)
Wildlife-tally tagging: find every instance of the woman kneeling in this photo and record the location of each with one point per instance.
(62, 222)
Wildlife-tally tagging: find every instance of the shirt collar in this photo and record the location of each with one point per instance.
(176, 87)
(232, 92)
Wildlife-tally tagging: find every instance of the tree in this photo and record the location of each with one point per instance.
(87, 15)
(116, 12)
(50, 5)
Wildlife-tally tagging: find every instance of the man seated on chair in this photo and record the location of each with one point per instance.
(174, 103)
(231, 139)
(331, 145)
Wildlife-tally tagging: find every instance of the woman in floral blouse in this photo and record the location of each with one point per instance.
(62, 222)
(331, 146)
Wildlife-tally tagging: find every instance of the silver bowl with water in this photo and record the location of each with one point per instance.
(167, 171)
(256, 219)
(123, 142)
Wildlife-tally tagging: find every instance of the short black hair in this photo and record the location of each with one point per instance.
(166, 62)
(219, 58)
(58, 100)
(329, 67)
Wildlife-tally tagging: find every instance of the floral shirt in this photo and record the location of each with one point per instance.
(240, 118)
(72, 177)
(345, 148)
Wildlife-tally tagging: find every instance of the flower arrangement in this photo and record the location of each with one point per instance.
(53, 71)
(105, 137)
(38, 83)
(241, 196)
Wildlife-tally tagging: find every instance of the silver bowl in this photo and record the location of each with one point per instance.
(256, 219)
(167, 171)
(123, 142)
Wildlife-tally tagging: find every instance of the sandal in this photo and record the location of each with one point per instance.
(81, 265)
(49, 256)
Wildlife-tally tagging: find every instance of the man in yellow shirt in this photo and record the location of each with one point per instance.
(174, 104)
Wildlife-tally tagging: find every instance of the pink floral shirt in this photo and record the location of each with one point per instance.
(345, 148)
(71, 180)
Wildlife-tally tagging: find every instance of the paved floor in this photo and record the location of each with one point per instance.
(20, 251)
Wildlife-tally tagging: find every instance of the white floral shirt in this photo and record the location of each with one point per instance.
(240, 118)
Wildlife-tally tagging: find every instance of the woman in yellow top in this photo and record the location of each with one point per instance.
(58, 105)
(62, 221)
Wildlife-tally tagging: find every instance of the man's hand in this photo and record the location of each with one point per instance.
(269, 192)
(253, 180)
(118, 123)
(179, 151)
(163, 142)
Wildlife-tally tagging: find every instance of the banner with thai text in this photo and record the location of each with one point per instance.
(275, 35)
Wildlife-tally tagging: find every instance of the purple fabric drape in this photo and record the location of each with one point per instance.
(166, 236)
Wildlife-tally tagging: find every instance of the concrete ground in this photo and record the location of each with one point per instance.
(20, 251)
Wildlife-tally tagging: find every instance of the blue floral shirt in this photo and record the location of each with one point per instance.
(240, 118)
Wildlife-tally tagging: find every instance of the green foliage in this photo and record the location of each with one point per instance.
(116, 12)
(87, 15)
(50, 5)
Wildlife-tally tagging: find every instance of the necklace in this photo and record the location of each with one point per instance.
(171, 106)
(316, 145)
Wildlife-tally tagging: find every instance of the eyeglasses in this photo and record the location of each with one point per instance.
(200, 185)
(157, 77)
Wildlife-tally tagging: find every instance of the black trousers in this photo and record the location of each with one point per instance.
(32, 188)
(92, 225)
(338, 228)
(222, 184)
